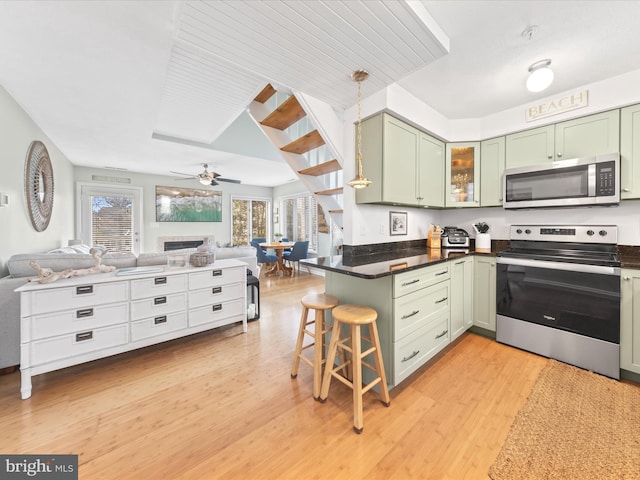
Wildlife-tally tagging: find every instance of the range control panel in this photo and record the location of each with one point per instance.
(566, 233)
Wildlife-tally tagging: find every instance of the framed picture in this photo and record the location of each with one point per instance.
(398, 223)
(174, 204)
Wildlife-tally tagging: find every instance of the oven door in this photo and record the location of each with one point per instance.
(577, 298)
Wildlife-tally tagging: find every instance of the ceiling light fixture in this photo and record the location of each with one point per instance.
(360, 181)
(540, 76)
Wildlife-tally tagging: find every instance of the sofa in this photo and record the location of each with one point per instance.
(77, 257)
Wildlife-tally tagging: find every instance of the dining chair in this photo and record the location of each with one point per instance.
(264, 258)
(257, 241)
(299, 251)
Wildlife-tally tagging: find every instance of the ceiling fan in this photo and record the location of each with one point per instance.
(207, 178)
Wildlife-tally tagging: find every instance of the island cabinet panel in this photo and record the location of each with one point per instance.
(630, 320)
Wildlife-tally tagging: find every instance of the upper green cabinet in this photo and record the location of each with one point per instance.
(630, 152)
(590, 135)
(492, 158)
(405, 165)
(463, 174)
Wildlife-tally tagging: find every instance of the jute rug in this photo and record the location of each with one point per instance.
(575, 425)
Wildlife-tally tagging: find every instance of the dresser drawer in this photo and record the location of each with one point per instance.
(218, 312)
(154, 326)
(211, 295)
(216, 276)
(66, 346)
(420, 308)
(413, 351)
(160, 305)
(407, 282)
(81, 319)
(159, 285)
(85, 295)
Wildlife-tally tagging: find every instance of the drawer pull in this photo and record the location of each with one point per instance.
(442, 334)
(84, 289)
(160, 281)
(159, 320)
(87, 312)
(159, 300)
(460, 262)
(80, 337)
(404, 284)
(441, 273)
(443, 299)
(215, 290)
(217, 307)
(216, 273)
(415, 352)
(415, 312)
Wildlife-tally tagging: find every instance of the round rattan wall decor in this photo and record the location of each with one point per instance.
(38, 183)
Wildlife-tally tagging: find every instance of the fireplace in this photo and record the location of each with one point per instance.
(180, 244)
(166, 244)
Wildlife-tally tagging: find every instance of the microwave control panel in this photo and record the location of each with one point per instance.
(605, 179)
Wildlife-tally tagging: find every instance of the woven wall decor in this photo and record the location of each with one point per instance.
(38, 183)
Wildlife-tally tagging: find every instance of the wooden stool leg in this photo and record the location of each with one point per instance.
(298, 352)
(331, 358)
(373, 333)
(318, 353)
(356, 363)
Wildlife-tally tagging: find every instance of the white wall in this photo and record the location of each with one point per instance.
(364, 224)
(221, 231)
(17, 131)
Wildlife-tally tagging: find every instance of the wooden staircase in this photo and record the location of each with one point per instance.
(321, 177)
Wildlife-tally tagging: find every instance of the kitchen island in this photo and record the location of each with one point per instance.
(425, 299)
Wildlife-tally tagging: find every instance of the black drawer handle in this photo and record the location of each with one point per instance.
(442, 334)
(80, 337)
(159, 320)
(159, 300)
(216, 273)
(87, 312)
(415, 312)
(84, 289)
(411, 282)
(217, 307)
(415, 352)
(441, 273)
(215, 290)
(460, 262)
(160, 281)
(443, 299)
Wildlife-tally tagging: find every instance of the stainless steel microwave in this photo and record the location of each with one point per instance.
(591, 180)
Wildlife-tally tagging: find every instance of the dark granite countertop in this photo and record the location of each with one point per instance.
(383, 264)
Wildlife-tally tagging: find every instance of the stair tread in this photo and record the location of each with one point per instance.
(288, 113)
(332, 191)
(266, 93)
(336, 211)
(305, 143)
(322, 169)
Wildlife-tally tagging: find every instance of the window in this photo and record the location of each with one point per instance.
(300, 219)
(110, 216)
(250, 219)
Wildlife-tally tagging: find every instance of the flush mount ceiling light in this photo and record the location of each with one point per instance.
(360, 181)
(540, 76)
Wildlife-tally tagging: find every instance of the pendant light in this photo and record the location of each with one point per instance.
(360, 181)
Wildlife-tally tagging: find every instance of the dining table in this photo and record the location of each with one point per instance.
(279, 248)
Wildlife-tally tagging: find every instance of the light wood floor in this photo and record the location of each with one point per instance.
(222, 405)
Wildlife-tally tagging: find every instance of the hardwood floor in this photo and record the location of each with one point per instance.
(221, 404)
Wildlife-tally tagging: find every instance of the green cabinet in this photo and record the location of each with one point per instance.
(462, 174)
(461, 295)
(630, 152)
(492, 161)
(484, 292)
(404, 164)
(630, 320)
(590, 135)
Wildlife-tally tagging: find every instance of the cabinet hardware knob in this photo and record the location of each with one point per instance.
(627, 278)
(626, 189)
(559, 154)
(549, 157)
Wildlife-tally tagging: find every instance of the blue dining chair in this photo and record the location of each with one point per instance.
(263, 258)
(299, 251)
(256, 243)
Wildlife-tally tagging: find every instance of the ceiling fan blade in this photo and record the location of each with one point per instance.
(185, 174)
(228, 180)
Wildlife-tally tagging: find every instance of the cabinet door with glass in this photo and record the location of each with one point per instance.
(492, 159)
(463, 174)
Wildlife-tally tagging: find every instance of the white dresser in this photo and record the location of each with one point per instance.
(80, 319)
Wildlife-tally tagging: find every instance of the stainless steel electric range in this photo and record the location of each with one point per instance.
(558, 294)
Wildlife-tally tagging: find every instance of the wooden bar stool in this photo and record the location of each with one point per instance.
(318, 302)
(355, 316)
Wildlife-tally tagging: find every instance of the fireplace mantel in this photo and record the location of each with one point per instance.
(182, 238)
